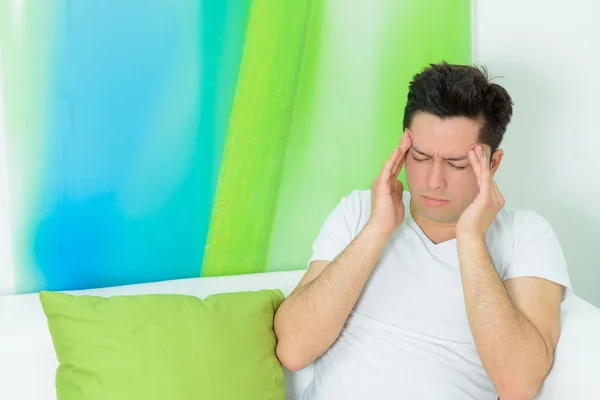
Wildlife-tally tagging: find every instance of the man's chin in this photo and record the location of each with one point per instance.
(442, 215)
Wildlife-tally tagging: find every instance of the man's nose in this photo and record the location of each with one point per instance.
(436, 178)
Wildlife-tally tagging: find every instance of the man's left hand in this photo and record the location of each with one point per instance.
(477, 217)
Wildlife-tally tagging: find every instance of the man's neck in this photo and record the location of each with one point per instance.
(437, 232)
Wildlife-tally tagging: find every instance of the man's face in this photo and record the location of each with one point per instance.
(440, 177)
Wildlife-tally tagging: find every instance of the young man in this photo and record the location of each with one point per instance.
(440, 292)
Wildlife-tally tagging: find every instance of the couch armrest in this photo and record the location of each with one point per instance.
(574, 374)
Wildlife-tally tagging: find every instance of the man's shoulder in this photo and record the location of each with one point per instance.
(359, 195)
(356, 206)
(356, 201)
(518, 223)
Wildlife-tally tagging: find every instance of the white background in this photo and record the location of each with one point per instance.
(547, 55)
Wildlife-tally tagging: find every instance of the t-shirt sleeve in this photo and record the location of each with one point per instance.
(537, 253)
(337, 232)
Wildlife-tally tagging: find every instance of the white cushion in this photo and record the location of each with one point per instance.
(575, 374)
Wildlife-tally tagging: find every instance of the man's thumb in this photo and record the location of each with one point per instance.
(399, 187)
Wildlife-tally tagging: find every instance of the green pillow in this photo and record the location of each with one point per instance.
(163, 347)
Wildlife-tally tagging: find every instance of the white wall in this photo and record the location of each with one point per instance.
(548, 57)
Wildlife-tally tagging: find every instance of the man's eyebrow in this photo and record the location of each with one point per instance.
(416, 150)
(461, 158)
(421, 152)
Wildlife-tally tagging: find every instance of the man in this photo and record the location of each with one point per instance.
(440, 292)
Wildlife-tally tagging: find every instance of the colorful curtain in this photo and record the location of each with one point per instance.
(149, 141)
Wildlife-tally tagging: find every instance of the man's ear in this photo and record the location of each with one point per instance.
(496, 160)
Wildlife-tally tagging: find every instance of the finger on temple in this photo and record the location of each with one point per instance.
(474, 159)
(483, 160)
(404, 146)
(387, 169)
(405, 142)
(398, 164)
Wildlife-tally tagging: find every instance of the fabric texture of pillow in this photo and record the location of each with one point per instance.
(174, 347)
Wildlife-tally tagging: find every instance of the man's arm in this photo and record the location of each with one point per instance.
(312, 317)
(515, 325)
(310, 320)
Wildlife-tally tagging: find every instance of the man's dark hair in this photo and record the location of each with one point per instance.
(447, 91)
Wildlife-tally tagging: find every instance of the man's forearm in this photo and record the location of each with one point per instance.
(312, 317)
(511, 349)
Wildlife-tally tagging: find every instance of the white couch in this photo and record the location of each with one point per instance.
(28, 362)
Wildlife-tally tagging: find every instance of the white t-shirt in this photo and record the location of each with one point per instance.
(408, 336)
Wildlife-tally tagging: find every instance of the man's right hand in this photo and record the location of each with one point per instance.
(387, 208)
(311, 319)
